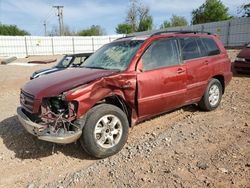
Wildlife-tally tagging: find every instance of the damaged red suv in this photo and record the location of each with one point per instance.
(122, 84)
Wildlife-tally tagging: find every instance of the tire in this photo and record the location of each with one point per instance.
(212, 96)
(100, 138)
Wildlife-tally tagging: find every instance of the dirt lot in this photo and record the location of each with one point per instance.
(183, 148)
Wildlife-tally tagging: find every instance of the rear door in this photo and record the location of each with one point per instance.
(195, 58)
(161, 78)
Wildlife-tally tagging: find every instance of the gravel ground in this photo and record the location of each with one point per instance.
(183, 148)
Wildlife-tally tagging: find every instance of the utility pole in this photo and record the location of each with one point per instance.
(60, 18)
(45, 28)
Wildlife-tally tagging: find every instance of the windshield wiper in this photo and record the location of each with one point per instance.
(94, 67)
(99, 68)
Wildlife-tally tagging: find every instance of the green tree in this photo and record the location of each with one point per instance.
(178, 21)
(210, 11)
(94, 30)
(12, 30)
(137, 19)
(124, 28)
(245, 10)
(145, 24)
(175, 21)
(165, 24)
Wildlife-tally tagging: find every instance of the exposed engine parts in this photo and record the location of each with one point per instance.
(58, 116)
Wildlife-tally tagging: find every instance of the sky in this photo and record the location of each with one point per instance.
(81, 14)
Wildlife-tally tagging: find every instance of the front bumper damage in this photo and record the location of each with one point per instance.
(38, 130)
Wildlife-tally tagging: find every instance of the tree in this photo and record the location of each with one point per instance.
(94, 30)
(124, 28)
(145, 24)
(245, 10)
(137, 19)
(165, 24)
(68, 32)
(178, 21)
(12, 30)
(210, 11)
(175, 21)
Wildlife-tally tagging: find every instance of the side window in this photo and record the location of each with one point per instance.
(211, 46)
(162, 53)
(66, 61)
(202, 47)
(77, 61)
(190, 49)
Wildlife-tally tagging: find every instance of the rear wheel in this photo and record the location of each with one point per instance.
(212, 96)
(105, 131)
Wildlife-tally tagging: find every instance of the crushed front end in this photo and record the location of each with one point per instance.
(55, 120)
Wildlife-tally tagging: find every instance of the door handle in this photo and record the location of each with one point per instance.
(180, 70)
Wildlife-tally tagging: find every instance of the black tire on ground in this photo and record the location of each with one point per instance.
(90, 140)
(207, 104)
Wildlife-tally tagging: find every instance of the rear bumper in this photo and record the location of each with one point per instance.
(38, 130)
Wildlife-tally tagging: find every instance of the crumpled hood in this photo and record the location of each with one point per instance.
(244, 53)
(58, 82)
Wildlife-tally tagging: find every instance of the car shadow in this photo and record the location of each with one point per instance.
(241, 75)
(27, 146)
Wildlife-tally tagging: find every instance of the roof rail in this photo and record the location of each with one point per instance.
(181, 31)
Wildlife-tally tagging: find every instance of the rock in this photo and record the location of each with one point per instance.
(153, 134)
(202, 165)
(223, 170)
(248, 164)
(32, 185)
(111, 174)
(167, 171)
(246, 124)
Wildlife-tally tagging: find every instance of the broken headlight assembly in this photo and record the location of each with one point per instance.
(58, 116)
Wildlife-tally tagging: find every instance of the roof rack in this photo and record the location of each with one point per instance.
(181, 31)
(163, 32)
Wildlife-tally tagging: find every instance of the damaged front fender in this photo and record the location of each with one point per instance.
(122, 85)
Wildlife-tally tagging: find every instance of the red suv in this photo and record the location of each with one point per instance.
(123, 83)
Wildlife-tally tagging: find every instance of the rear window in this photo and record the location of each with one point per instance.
(212, 48)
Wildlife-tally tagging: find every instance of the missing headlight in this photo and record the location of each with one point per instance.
(57, 105)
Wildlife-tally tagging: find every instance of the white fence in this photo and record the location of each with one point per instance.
(23, 46)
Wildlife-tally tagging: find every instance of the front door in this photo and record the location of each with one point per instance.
(161, 79)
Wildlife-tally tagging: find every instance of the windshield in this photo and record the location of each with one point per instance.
(115, 55)
(248, 46)
(64, 63)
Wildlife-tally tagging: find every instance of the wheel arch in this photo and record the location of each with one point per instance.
(221, 79)
(119, 102)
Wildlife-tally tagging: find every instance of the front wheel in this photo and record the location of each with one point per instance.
(105, 131)
(212, 96)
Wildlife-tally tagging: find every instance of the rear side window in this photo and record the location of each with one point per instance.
(190, 49)
(212, 48)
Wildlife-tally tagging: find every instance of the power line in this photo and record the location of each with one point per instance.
(60, 18)
(45, 21)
